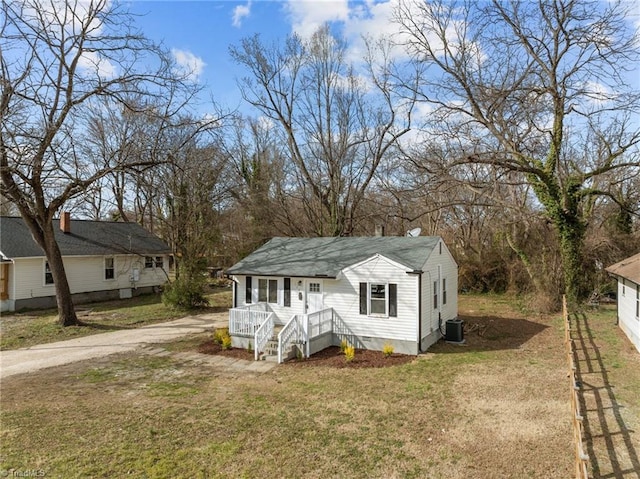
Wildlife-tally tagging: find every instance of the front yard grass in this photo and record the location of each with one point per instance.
(41, 326)
(495, 408)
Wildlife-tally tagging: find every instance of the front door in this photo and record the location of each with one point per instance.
(314, 296)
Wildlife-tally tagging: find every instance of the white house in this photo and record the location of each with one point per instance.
(627, 273)
(371, 291)
(102, 259)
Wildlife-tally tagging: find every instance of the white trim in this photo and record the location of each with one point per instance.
(375, 257)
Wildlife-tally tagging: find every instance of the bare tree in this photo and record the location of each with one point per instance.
(336, 125)
(58, 59)
(536, 88)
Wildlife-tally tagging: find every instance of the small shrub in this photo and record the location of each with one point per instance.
(349, 353)
(186, 293)
(226, 342)
(343, 345)
(220, 334)
(387, 350)
(250, 347)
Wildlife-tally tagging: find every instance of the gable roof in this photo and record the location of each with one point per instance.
(627, 268)
(87, 238)
(311, 257)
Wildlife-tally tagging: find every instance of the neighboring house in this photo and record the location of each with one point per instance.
(627, 273)
(102, 260)
(370, 291)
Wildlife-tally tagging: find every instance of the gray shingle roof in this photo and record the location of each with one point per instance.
(628, 268)
(86, 238)
(328, 256)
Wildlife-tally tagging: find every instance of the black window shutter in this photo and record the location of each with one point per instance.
(287, 292)
(393, 300)
(363, 298)
(247, 294)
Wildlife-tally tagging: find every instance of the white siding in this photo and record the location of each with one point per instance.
(85, 274)
(344, 296)
(629, 322)
(448, 269)
(283, 313)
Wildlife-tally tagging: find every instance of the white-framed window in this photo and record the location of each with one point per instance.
(444, 291)
(48, 275)
(109, 268)
(159, 262)
(267, 290)
(314, 287)
(435, 294)
(379, 299)
(148, 262)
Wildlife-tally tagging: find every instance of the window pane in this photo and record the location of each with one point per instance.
(378, 306)
(378, 299)
(109, 270)
(314, 287)
(48, 276)
(159, 262)
(378, 291)
(148, 262)
(273, 291)
(262, 290)
(435, 295)
(444, 291)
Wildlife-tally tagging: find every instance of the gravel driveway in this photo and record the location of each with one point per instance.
(49, 355)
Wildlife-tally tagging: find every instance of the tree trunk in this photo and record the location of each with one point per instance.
(46, 239)
(571, 232)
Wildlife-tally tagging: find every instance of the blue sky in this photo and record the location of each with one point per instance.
(199, 33)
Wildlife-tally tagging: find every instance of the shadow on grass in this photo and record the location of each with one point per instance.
(491, 333)
(608, 440)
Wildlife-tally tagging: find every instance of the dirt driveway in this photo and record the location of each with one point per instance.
(43, 356)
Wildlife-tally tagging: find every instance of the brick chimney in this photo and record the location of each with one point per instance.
(65, 222)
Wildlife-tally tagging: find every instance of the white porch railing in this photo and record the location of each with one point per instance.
(290, 334)
(263, 335)
(303, 327)
(245, 320)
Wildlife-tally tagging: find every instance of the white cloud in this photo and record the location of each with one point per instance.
(92, 63)
(309, 15)
(187, 63)
(240, 12)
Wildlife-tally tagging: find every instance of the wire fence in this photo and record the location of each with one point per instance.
(581, 458)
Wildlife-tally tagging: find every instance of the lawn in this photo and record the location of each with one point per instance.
(38, 327)
(495, 408)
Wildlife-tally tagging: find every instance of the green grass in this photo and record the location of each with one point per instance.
(39, 327)
(454, 412)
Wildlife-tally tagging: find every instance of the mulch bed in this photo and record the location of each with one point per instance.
(333, 357)
(330, 357)
(211, 347)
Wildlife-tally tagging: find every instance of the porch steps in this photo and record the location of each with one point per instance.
(270, 352)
